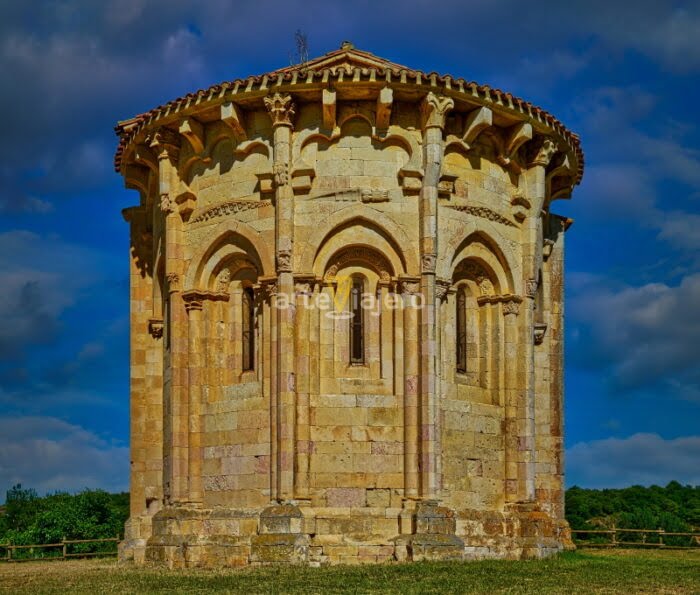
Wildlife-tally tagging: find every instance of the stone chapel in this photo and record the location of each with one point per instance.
(346, 319)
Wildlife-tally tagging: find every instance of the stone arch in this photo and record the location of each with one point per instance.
(359, 255)
(232, 240)
(335, 235)
(479, 248)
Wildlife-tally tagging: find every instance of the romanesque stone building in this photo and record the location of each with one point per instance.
(346, 319)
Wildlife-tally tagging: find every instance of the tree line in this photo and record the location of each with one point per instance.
(27, 518)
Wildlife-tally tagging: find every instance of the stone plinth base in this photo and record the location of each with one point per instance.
(301, 534)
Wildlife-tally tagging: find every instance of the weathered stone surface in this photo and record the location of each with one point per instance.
(339, 298)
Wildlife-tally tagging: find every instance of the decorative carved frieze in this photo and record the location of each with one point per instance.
(374, 195)
(434, 110)
(482, 212)
(230, 207)
(281, 109)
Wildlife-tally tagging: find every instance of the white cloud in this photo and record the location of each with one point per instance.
(49, 454)
(641, 459)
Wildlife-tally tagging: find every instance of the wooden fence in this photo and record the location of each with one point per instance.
(11, 550)
(651, 538)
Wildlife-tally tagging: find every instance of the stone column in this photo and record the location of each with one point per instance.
(411, 361)
(195, 380)
(434, 111)
(535, 182)
(304, 321)
(514, 399)
(442, 288)
(281, 110)
(176, 458)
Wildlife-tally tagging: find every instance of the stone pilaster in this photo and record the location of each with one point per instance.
(434, 112)
(532, 239)
(281, 109)
(166, 143)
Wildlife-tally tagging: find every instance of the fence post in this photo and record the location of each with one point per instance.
(613, 543)
(9, 552)
(65, 548)
(661, 537)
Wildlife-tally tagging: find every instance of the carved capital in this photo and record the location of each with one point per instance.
(428, 263)
(223, 280)
(544, 151)
(268, 288)
(531, 287)
(166, 142)
(511, 305)
(434, 110)
(173, 282)
(281, 173)
(167, 205)
(281, 109)
(409, 286)
(284, 261)
(442, 288)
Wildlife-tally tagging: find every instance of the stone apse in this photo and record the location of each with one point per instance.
(346, 319)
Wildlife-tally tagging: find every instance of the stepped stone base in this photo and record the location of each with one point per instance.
(183, 537)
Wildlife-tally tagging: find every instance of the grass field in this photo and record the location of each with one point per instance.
(621, 571)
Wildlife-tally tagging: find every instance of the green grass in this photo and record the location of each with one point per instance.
(631, 571)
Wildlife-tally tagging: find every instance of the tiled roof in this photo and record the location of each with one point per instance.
(348, 64)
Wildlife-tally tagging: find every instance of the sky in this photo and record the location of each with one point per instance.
(625, 79)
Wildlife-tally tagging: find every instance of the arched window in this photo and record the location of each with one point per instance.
(461, 319)
(248, 329)
(357, 323)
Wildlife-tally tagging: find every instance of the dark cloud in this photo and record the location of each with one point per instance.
(49, 454)
(643, 337)
(641, 459)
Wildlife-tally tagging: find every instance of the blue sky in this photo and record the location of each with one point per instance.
(626, 79)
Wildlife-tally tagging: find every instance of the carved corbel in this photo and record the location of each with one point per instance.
(443, 288)
(302, 178)
(284, 261)
(540, 330)
(186, 202)
(511, 304)
(543, 152)
(232, 116)
(411, 180)
(193, 131)
(563, 171)
(145, 157)
(520, 205)
(547, 248)
(266, 182)
(517, 136)
(385, 101)
(155, 327)
(137, 178)
(446, 185)
(328, 105)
